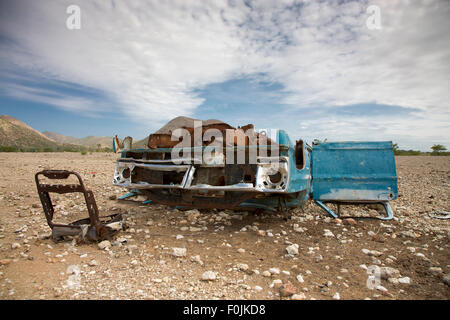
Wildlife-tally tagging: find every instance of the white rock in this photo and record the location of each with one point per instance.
(242, 266)
(241, 250)
(179, 252)
(435, 270)
(292, 249)
(274, 270)
(300, 278)
(276, 283)
(105, 244)
(15, 245)
(300, 296)
(375, 253)
(258, 288)
(179, 236)
(404, 280)
(122, 240)
(393, 280)
(300, 229)
(197, 259)
(93, 263)
(208, 276)
(381, 288)
(336, 296)
(328, 233)
(73, 269)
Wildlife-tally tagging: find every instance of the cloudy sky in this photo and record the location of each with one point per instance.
(318, 69)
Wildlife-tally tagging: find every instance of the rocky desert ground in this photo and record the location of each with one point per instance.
(167, 253)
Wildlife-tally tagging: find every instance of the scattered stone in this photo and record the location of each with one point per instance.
(4, 262)
(122, 240)
(197, 259)
(57, 292)
(192, 215)
(266, 273)
(93, 263)
(373, 253)
(350, 221)
(300, 278)
(242, 266)
(105, 244)
(435, 270)
(134, 262)
(277, 283)
(393, 280)
(15, 245)
(409, 234)
(300, 229)
(328, 233)
(179, 252)
(381, 288)
(337, 296)
(287, 289)
(446, 279)
(292, 249)
(113, 197)
(258, 288)
(241, 250)
(73, 269)
(404, 280)
(274, 271)
(388, 272)
(209, 276)
(299, 296)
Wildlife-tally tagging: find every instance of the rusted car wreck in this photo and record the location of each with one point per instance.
(210, 164)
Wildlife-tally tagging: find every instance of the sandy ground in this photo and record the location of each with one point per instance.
(246, 252)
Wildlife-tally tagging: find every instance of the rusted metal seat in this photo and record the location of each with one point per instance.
(93, 228)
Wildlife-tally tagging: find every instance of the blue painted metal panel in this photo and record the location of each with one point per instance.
(299, 179)
(354, 171)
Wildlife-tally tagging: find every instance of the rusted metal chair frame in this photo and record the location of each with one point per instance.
(44, 191)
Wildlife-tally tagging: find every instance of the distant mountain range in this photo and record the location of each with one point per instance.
(16, 135)
(90, 141)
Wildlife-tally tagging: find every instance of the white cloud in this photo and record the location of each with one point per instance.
(150, 56)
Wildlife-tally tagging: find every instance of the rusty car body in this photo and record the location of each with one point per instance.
(284, 175)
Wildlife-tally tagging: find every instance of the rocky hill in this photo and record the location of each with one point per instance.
(89, 141)
(16, 134)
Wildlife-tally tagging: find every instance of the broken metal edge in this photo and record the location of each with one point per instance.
(386, 206)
